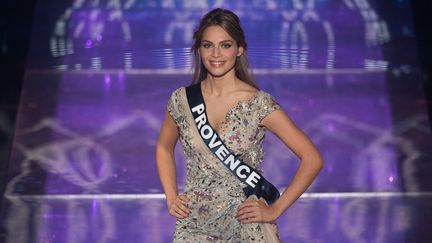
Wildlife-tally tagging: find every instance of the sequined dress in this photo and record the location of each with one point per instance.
(214, 192)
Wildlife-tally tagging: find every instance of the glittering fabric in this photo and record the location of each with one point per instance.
(214, 192)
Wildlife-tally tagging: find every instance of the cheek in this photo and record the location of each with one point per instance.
(202, 52)
(207, 54)
(231, 53)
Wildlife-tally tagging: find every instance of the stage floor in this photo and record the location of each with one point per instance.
(321, 217)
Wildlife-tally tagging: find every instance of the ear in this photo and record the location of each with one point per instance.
(240, 51)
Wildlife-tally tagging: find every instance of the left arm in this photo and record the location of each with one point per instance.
(310, 165)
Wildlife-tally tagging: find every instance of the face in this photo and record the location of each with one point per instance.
(218, 51)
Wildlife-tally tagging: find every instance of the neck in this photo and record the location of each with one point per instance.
(220, 85)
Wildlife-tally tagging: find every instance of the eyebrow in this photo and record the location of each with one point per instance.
(219, 42)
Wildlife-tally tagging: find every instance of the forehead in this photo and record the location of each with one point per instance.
(216, 34)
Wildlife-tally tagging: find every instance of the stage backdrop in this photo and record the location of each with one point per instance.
(100, 74)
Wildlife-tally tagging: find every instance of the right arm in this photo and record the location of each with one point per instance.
(167, 167)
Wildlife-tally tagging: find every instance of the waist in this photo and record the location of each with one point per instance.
(216, 186)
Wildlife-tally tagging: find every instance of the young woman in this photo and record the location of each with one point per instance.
(213, 206)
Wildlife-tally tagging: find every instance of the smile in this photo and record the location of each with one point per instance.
(217, 63)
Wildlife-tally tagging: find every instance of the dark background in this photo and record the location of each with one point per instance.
(15, 31)
(423, 25)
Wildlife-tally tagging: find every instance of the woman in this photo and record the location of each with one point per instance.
(213, 206)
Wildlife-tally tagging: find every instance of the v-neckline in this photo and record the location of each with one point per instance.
(218, 129)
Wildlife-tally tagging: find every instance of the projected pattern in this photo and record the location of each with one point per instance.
(282, 34)
(91, 127)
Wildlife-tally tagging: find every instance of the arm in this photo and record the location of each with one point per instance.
(310, 159)
(310, 165)
(167, 168)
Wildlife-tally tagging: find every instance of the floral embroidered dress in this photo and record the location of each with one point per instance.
(214, 192)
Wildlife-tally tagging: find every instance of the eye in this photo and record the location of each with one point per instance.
(226, 45)
(206, 45)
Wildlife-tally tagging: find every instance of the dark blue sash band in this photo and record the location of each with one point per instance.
(256, 183)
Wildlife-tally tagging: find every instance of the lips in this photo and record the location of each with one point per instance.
(217, 63)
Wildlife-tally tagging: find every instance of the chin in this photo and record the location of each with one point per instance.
(218, 73)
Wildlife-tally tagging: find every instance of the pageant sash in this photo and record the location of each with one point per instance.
(256, 183)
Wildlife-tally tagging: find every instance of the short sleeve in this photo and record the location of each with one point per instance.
(173, 104)
(268, 104)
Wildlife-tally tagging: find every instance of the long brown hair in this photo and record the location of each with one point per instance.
(230, 22)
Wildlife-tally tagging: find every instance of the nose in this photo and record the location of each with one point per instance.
(216, 52)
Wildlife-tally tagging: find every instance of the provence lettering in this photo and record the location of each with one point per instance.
(242, 170)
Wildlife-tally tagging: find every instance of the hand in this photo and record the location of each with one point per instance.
(177, 207)
(255, 211)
